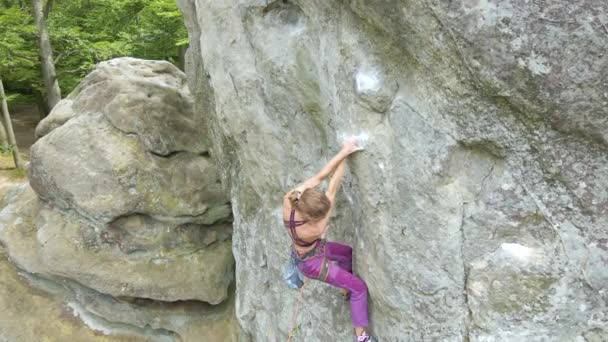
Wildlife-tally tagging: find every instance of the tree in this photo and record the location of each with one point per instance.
(3, 136)
(83, 33)
(19, 63)
(9, 127)
(49, 76)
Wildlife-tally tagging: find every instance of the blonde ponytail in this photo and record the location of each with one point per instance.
(312, 204)
(294, 197)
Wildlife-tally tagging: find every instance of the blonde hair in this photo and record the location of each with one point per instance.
(312, 204)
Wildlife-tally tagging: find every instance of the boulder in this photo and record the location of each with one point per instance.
(126, 218)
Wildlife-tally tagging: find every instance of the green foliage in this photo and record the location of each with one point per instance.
(83, 33)
(18, 51)
(18, 98)
(6, 148)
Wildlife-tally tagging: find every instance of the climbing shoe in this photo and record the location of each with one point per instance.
(366, 338)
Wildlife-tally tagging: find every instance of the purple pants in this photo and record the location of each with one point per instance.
(339, 261)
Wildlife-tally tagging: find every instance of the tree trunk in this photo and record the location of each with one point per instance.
(43, 109)
(181, 57)
(9, 127)
(3, 136)
(49, 76)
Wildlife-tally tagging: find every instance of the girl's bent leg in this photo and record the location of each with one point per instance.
(339, 277)
(341, 253)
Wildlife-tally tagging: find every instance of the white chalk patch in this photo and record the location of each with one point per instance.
(367, 81)
(517, 250)
(362, 139)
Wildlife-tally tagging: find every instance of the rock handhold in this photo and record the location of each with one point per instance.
(374, 88)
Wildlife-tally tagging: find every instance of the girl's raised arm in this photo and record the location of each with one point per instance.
(349, 146)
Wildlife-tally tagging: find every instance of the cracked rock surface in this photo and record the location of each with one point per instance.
(478, 210)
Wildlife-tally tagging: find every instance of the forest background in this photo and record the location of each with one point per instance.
(81, 33)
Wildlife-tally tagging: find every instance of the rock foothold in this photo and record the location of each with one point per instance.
(374, 88)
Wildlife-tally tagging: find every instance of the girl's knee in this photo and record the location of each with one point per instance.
(358, 285)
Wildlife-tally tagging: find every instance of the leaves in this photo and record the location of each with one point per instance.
(18, 52)
(83, 33)
(6, 148)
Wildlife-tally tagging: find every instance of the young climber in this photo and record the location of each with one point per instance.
(306, 213)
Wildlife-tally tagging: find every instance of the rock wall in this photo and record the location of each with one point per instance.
(478, 211)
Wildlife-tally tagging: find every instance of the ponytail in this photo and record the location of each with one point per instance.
(294, 197)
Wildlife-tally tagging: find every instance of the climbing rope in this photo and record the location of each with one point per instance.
(295, 313)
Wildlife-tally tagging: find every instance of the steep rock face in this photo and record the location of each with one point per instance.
(125, 217)
(477, 211)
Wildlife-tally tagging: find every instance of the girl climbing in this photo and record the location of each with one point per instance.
(306, 213)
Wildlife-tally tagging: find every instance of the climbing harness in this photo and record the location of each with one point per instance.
(292, 274)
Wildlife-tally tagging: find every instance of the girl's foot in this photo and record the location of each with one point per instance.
(364, 337)
(345, 294)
